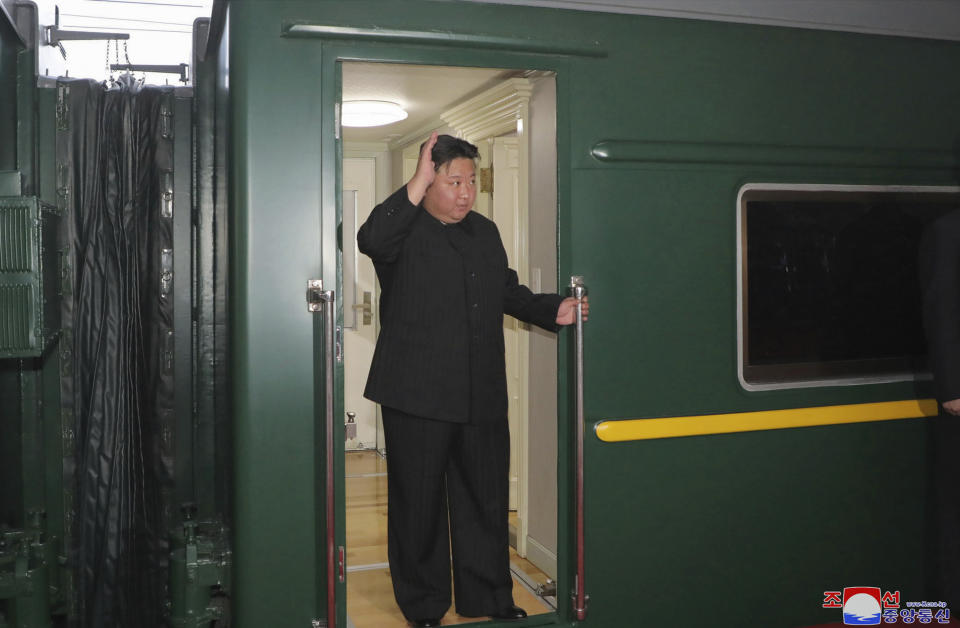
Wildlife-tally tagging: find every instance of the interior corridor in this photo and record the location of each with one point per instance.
(370, 601)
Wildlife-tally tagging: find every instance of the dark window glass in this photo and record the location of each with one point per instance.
(831, 289)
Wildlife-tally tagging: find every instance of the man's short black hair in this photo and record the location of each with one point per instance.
(449, 148)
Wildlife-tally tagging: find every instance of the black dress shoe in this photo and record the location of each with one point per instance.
(426, 623)
(511, 613)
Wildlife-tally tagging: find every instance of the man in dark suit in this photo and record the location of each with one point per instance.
(940, 282)
(939, 265)
(438, 372)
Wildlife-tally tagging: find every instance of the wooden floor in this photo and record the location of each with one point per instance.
(370, 602)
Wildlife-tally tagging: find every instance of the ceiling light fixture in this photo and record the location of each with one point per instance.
(371, 113)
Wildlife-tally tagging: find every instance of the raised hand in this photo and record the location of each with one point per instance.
(423, 177)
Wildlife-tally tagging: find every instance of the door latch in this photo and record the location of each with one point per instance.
(166, 272)
(166, 194)
(350, 427)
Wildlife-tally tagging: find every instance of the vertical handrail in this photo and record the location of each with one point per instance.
(324, 301)
(580, 598)
(329, 325)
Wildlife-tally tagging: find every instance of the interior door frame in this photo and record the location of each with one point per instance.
(458, 53)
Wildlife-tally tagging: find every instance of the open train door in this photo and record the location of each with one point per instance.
(423, 48)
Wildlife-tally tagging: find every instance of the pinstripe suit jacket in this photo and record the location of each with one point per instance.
(444, 291)
(940, 283)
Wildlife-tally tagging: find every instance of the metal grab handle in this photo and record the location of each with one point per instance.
(320, 300)
(580, 598)
(329, 340)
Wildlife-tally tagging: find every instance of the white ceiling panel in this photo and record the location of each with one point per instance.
(423, 91)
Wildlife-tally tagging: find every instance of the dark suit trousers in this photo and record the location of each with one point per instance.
(433, 466)
(943, 520)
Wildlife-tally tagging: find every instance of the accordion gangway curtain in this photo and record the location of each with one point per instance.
(119, 386)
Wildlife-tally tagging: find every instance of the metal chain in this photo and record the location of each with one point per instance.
(111, 80)
(126, 54)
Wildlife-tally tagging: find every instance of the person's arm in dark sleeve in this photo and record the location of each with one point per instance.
(381, 236)
(523, 304)
(940, 283)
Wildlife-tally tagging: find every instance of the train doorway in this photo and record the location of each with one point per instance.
(511, 116)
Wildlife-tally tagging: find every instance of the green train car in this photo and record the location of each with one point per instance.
(743, 429)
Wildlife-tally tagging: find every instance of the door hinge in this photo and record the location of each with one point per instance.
(339, 351)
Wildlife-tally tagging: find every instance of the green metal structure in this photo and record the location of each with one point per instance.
(38, 448)
(29, 276)
(660, 122)
(688, 531)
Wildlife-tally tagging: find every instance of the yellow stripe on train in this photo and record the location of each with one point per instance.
(672, 427)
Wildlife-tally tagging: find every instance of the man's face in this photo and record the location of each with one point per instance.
(450, 197)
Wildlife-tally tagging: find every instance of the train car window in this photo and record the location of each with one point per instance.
(828, 288)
